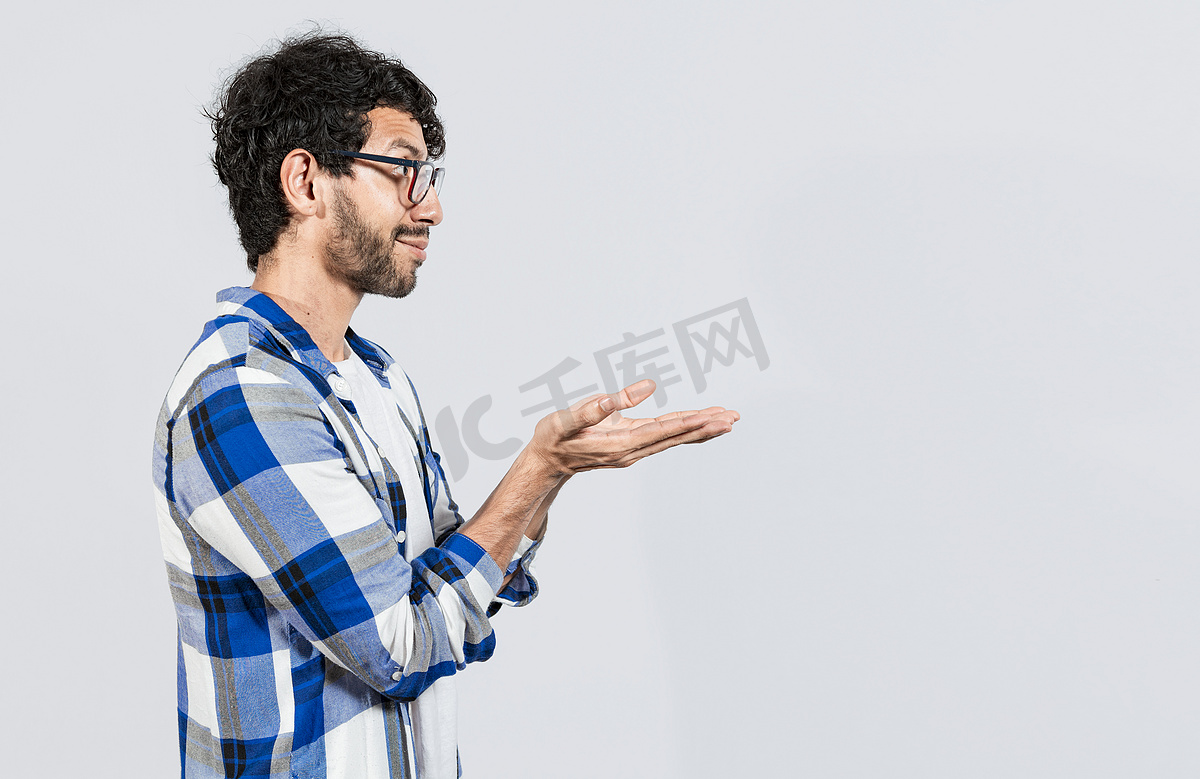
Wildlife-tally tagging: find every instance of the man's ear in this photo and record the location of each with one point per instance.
(298, 176)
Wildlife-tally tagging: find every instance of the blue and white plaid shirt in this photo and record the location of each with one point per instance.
(303, 631)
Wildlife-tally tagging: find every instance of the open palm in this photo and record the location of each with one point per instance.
(594, 433)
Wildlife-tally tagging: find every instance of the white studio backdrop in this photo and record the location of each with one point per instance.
(955, 533)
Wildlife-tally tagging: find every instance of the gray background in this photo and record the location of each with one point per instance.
(955, 532)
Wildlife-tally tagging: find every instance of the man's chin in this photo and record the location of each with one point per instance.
(397, 289)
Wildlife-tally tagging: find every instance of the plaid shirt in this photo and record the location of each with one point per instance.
(303, 630)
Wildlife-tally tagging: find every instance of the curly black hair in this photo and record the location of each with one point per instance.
(312, 93)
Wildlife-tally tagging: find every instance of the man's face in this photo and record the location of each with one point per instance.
(379, 237)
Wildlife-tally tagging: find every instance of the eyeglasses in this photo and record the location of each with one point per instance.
(424, 177)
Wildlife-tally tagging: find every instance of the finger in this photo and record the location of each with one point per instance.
(651, 431)
(593, 410)
(634, 394)
(710, 411)
(724, 413)
(715, 412)
(721, 412)
(627, 398)
(685, 414)
(587, 412)
(710, 429)
(694, 436)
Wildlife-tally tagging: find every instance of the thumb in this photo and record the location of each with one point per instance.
(586, 413)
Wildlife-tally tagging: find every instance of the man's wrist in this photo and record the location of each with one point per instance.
(540, 466)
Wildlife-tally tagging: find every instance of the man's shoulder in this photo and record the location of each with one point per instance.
(234, 349)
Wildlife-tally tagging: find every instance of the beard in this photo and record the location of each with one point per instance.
(361, 255)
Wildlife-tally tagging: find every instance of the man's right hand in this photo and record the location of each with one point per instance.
(593, 433)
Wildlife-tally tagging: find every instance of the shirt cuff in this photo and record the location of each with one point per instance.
(522, 548)
(482, 575)
(522, 587)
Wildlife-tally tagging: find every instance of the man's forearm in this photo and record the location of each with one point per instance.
(516, 508)
(537, 525)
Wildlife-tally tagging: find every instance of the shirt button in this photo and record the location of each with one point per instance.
(397, 676)
(382, 451)
(401, 536)
(340, 385)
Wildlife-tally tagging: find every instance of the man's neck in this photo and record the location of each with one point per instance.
(320, 304)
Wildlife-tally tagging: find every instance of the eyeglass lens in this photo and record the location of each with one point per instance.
(428, 176)
(420, 185)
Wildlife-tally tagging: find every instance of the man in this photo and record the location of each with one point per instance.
(325, 585)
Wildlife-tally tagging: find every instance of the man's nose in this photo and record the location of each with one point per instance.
(429, 210)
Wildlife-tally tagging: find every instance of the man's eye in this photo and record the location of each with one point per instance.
(402, 170)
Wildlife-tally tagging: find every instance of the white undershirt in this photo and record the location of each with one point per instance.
(435, 712)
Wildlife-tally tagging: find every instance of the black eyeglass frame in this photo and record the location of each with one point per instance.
(435, 178)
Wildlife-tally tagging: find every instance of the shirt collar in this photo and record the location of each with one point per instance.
(255, 306)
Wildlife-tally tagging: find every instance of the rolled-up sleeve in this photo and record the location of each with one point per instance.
(522, 587)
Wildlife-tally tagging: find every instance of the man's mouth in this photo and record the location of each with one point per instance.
(418, 243)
